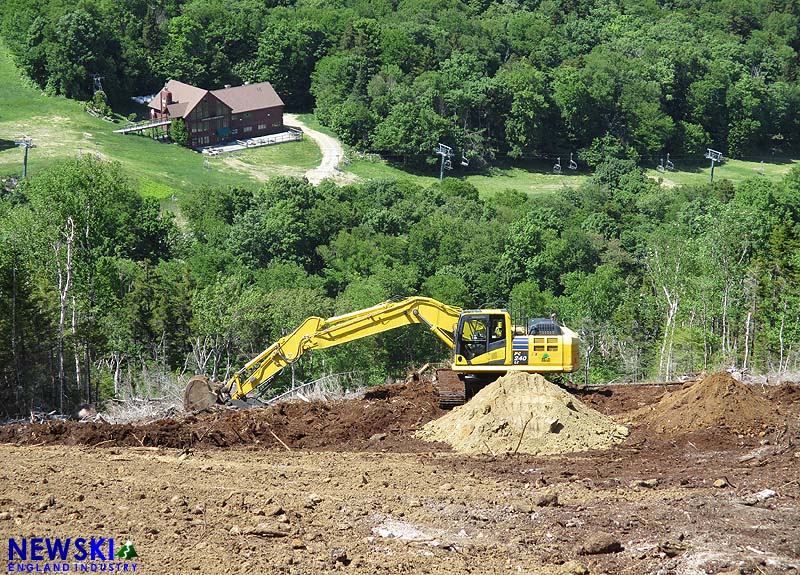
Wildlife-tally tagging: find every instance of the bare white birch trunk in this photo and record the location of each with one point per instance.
(747, 340)
(76, 348)
(64, 284)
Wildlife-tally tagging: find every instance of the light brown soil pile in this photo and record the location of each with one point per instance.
(716, 402)
(524, 413)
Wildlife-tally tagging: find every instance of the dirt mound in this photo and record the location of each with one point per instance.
(383, 419)
(524, 413)
(716, 402)
(623, 398)
(786, 393)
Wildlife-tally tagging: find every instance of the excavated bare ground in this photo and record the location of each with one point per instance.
(717, 402)
(785, 394)
(383, 419)
(616, 399)
(646, 507)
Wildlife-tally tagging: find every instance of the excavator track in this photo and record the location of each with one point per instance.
(451, 389)
(456, 389)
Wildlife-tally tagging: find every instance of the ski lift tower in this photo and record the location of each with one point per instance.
(97, 83)
(715, 157)
(446, 152)
(27, 143)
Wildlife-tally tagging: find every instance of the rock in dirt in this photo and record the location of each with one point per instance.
(267, 530)
(524, 413)
(48, 501)
(339, 555)
(671, 548)
(298, 544)
(644, 483)
(721, 483)
(600, 543)
(545, 499)
(274, 510)
(574, 568)
(718, 401)
(762, 495)
(5, 515)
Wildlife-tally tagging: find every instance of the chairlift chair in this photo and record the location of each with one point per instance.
(573, 165)
(557, 166)
(660, 167)
(464, 160)
(670, 166)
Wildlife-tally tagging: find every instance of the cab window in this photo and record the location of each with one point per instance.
(498, 329)
(473, 337)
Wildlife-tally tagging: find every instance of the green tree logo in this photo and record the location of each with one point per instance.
(127, 551)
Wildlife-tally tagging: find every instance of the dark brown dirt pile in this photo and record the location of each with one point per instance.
(786, 394)
(384, 419)
(716, 402)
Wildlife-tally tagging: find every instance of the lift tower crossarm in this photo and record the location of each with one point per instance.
(318, 333)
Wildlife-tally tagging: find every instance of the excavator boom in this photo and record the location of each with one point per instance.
(318, 333)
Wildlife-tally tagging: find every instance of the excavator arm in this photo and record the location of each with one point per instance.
(318, 333)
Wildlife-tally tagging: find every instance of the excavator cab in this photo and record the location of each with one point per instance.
(481, 337)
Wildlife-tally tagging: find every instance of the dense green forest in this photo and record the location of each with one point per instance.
(519, 78)
(100, 293)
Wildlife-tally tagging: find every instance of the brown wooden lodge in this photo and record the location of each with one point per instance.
(215, 116)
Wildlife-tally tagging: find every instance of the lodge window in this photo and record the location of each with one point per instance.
(248, 129)
(262, 126)
(276, 124)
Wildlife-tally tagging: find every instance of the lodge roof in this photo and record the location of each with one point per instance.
(240, 99)
(249, 97)
(185, 94)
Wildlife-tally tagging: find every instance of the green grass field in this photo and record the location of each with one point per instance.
(733, 170)
(532, 178)
(537, 177)
(61, 129)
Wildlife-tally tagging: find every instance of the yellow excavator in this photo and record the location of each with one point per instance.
(485, 344)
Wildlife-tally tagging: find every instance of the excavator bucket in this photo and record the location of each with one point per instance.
(200, 394)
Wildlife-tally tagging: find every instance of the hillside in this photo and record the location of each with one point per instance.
(494, 80)
(61, 129)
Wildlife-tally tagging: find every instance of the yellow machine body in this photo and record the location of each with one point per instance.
(483, 341)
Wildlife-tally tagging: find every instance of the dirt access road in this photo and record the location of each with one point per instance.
(363, 503)
(332, 153)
